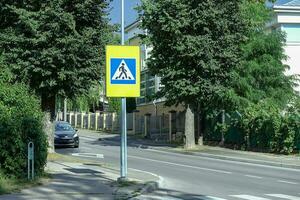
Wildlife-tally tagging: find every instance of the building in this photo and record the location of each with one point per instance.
(287, 19)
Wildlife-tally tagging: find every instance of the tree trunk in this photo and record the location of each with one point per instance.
(189, 129)
(200, 129)
(48, 105)
(49, 130)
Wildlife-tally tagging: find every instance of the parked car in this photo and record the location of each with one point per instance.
(65, 135)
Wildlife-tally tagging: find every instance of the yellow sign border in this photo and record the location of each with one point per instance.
(123, 90)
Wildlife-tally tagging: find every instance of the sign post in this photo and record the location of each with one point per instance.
(30, 161)
(123, 80)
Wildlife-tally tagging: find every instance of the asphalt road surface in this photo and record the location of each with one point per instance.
(196, 177)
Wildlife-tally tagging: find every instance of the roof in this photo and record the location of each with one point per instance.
(132, 25)
(289, 3)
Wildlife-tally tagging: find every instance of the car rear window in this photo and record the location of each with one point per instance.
(63, 127)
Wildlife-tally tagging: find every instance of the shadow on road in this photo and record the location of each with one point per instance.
(114, 140)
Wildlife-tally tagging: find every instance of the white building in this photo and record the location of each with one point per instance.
(287, 19)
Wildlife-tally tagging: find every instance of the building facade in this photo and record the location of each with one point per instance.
(287, 19)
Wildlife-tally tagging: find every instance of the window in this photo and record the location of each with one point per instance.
(292, 32)
(63, 127)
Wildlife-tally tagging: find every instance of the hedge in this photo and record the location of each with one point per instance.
(262, 127)
(20, 122)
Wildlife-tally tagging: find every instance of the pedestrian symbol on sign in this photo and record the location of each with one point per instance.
(123, 71)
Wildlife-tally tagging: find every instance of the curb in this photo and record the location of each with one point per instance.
(147, 187)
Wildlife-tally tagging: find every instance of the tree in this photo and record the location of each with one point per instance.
(196, 46)
(260, 76)
(114, 105)
(56, 47)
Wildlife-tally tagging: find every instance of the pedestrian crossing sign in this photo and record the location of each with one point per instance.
(122, 71)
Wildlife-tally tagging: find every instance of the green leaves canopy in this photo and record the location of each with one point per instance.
(56, 46)
(216, 54)
(196, 46)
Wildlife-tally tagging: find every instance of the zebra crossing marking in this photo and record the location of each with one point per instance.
(212, 198)
(283, 196)
(288, 182)
(249, 197)
(251, 176)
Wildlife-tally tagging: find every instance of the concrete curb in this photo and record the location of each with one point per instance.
(133, 194)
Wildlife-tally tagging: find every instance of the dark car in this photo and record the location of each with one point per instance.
(65, 135)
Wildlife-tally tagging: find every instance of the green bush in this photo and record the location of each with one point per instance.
(265, 127)
(20, 122)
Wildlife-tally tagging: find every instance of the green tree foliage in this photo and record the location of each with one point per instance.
(260, 76)
(196, 44)
(20, 122)
(87, 102)
(114, 105)
(196, 47)
(56, 47)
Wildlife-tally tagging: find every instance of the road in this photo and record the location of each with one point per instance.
(195, 177)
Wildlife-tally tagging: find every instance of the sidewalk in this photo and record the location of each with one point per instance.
(78, 181)
(289, 161)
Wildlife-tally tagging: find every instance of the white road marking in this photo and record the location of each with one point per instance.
(288, 182)
(88, 155)
(249, 197)
(227, 161)
(211, 198)
(283, 196)
(182, 165)
(251, 176)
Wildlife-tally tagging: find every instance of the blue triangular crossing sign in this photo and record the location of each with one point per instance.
(123, 71)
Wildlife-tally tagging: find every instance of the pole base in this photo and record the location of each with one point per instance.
(122, 179)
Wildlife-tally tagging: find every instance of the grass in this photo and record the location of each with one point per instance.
(127, 183)
(59, 157)
(11, 185)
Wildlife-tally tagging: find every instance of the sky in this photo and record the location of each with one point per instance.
(130, 13)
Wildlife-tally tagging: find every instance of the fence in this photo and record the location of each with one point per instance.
(170, 127)
(165, 127)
